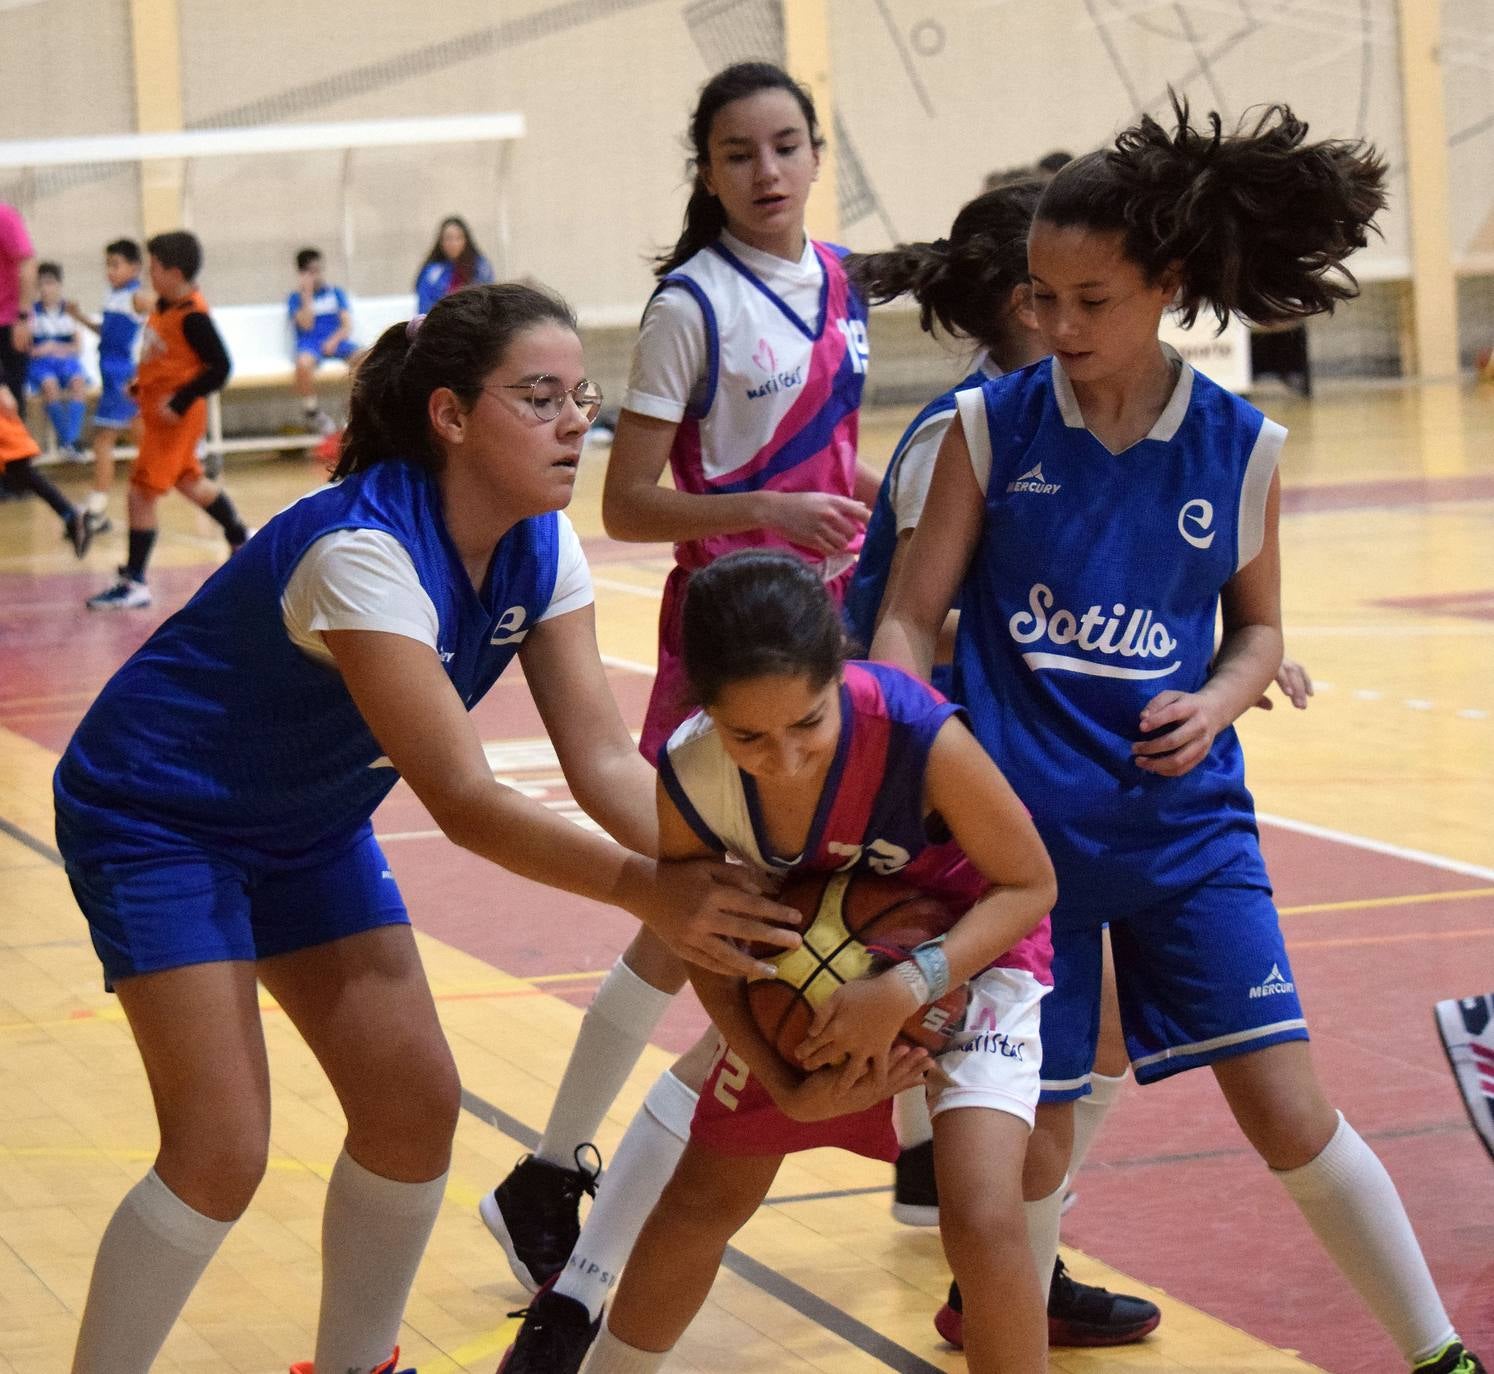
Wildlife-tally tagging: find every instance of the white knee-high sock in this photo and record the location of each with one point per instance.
(608, 1355)
(1089, 1114)
(910, 1117)
(153, 1252)
(614, 1031)
(642, 1164)
(374, 1231)
(1353, 1207)
(1042, 1233)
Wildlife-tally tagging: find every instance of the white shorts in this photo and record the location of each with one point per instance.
(996, 1060)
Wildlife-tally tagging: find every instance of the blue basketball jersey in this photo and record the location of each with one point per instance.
(869, 584)
(221, 730)
(327, 305)
(119, 328)
(1094, 587)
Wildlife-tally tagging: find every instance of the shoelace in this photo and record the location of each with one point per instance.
(587, 1174)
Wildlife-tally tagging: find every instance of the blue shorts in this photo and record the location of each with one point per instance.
(61, 370)
(188, 905)
(116, 408)
(1202, 975)
(312, 347)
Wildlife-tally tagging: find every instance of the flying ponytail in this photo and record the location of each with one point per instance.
(1256, 222)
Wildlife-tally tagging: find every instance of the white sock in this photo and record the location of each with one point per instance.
(641, 1165)
(1042, 1233)
(153, 1252)
(910, 1118)
(1354, 1209)
(608, 1355)
(1089, 1114)
(374, 1231)
(97, 503)
(614, 1031)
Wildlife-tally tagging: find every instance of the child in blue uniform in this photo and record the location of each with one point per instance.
(118, 328)
(1095, 513)
(801, 761)
(323, 321)
(56, 372)
(215, 836)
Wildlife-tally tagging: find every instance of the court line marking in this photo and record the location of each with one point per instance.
(613, 584)
(776, 1285)
(1395, 851)
(1367, 903)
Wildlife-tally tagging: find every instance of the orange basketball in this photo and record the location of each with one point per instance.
(854, 925)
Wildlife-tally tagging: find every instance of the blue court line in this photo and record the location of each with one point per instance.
(744, 1266)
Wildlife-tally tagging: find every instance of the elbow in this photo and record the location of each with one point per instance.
(620, 515)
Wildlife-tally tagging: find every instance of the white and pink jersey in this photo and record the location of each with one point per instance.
(778, 410)
(760, 362)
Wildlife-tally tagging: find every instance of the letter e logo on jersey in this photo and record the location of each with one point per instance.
(1196, 517)
(510, 627)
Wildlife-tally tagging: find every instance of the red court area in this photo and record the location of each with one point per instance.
(1172, 1194)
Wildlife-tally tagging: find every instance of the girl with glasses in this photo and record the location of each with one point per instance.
(746, 382)
(213, 809)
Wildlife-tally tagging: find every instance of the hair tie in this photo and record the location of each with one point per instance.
(413, 326)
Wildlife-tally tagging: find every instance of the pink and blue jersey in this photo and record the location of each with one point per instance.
(777, 412)
(871, 815)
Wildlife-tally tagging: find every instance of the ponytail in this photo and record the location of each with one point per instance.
(704, 216)
(964, 282)
(456, 346)
(1257, 222)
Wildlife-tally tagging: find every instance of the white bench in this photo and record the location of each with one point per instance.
(260, 344)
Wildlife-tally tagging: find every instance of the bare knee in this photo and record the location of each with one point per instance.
(215, 1168)
(654, 962)
(404, 1131)
(1048, 1150)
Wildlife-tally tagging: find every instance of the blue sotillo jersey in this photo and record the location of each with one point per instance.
(869, 583)
(220, 730)
(1094, 587)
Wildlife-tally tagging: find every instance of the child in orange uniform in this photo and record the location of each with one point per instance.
(17, 449)
(182, 361)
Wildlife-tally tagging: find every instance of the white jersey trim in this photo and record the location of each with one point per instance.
(972, 407)
(1254, 489)
(1167, 423)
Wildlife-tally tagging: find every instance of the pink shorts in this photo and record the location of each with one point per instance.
(736, 1116)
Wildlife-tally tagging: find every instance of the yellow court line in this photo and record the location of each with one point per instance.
(1355, 941)
(1366, 903)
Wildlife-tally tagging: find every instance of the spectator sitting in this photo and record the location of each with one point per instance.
(454, 261)
(55, 372)
(323, 324)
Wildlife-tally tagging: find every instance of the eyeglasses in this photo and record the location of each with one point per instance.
(547, 396)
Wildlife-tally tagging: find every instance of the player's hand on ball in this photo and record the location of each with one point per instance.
(703, 907)
(849, 1087)
(1182, 730)
(858, 1020)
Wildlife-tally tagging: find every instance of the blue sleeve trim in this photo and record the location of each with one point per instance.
(713, 338)
(676, 793)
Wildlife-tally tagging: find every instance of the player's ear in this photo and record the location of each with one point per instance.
(1020, 305)
(443, 408)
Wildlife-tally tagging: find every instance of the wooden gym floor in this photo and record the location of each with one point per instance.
(1376, 806)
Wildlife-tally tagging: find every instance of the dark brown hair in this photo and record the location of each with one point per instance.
(459, 343)
(758, 613)
(1258, 221)
(964, 282)
(704, 217)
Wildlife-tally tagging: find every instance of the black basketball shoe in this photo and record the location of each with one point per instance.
(557, 1333)
(1078, 1315)
(535, 1213)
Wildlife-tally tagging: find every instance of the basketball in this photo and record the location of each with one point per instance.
(854, 925)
